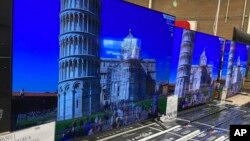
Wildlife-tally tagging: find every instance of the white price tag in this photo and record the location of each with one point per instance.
(45, 132)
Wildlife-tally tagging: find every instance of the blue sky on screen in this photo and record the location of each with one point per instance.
(240, 50)
(36, 44)
(202, 41)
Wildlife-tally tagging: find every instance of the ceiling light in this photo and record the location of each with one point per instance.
(175, 3)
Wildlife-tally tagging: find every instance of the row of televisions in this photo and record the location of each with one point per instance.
(96, 65)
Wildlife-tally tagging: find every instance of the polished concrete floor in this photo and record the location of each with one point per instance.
(210, 122)
(217, 118)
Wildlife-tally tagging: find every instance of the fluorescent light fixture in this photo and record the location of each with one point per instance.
(175, 3)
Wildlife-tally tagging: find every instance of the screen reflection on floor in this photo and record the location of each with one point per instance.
(206, 122)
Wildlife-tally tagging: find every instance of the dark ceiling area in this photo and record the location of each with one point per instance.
(5, 27)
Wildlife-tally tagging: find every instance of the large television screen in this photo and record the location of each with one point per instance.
(195, 67)
(234, 67)
(5, 64)
(92, 65)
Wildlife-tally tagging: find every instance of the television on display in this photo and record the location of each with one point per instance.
(195, 67)
(5, 64)
(91, 65)
(241, 36)
(5, 97)
(234, 67)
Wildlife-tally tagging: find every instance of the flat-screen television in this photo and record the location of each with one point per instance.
(240, 36)
(92, 65)
(234, 67)
(195, 67)
(5, 64)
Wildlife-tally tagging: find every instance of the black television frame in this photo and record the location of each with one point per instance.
(5, 64)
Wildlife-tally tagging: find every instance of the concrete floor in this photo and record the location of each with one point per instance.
(206, 122)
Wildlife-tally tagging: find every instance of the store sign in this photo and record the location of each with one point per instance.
(45, 132)
(192, 25)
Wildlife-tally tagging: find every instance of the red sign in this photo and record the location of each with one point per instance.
(182, 24)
